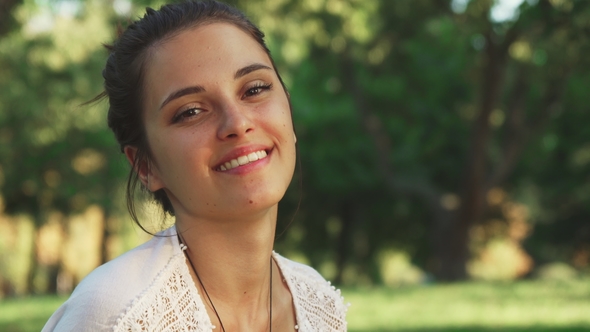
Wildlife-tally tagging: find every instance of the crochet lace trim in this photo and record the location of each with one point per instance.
(172, 302)
(319, 306)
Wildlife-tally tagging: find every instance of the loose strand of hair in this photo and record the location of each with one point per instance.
(132, 183)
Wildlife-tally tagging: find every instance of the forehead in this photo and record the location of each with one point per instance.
(201, 55)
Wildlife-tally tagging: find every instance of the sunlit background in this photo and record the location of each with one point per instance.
(444, 147)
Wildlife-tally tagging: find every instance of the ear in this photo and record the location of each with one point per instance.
(148, 174)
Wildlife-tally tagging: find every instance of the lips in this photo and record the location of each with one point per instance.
(243, 160)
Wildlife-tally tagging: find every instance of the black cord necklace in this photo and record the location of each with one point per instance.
(184, 247)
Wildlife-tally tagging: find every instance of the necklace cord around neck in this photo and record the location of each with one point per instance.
(209, 298)
(206, 293)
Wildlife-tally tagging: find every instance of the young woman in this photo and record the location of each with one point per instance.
(202, 115)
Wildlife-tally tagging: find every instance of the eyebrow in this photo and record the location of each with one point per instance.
(182, 92)
(248, 69)
(197, 88)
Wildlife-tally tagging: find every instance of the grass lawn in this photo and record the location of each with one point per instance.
(520, 306)
(27, 314)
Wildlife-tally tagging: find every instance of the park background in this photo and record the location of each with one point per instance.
(444, 148)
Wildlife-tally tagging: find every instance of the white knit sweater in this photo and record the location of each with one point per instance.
(150, 289)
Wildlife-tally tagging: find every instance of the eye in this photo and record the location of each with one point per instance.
(257, 89)
(186, 114)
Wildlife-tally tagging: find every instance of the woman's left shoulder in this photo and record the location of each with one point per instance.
(320, 306)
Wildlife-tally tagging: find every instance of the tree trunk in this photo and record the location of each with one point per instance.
(454, 245)
(7, 22)
(34, 263)
(348, 216)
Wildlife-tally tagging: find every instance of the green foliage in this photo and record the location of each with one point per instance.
(55, 153)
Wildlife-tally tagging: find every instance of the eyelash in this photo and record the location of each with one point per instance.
(257, 86)
(178, 118)
(249, 93)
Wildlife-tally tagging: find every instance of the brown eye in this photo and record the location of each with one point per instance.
(185, 115)
(253, 91)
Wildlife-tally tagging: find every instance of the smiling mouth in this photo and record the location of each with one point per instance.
(243, 160)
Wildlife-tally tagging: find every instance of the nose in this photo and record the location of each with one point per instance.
(235, 122)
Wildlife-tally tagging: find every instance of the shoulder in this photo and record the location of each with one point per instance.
(318, 304)
(108, 291)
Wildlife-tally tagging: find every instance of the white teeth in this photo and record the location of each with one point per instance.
(252, 157)
(243, 160)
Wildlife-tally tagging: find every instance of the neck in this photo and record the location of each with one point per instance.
(232, 258)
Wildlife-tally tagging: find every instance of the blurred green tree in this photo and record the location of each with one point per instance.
(54, 154)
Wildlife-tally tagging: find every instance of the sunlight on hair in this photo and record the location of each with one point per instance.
(152, 216)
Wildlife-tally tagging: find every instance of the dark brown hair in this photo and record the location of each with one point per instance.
(123, 74)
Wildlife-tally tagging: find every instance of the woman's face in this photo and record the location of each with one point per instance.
(218, 124)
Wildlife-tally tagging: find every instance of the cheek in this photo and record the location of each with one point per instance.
(168, 151)
(281, 128)
(280, 115)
